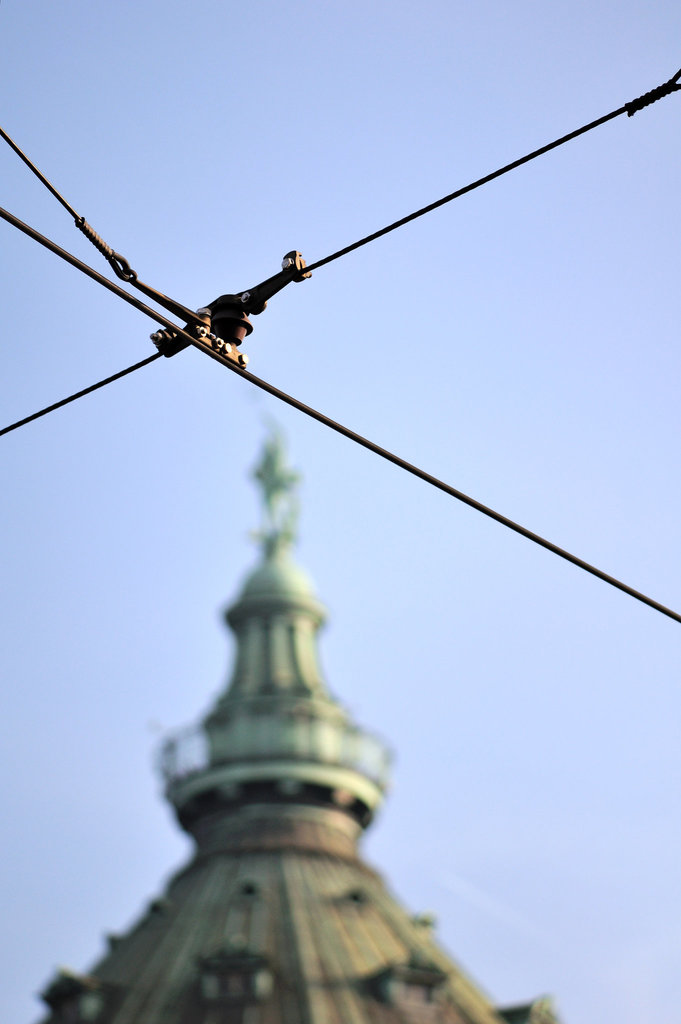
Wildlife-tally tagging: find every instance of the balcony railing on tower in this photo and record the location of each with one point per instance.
(192, 751)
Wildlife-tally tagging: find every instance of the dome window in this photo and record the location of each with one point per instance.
(74, 998)
(159, 906)
(235, 976)
(412, 987)
(249, 889)
(539, 1011)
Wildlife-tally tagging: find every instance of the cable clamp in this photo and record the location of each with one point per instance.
(654, 95)
(169, 342)
(224, 323)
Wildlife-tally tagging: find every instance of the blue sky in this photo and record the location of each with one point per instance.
(521, 344)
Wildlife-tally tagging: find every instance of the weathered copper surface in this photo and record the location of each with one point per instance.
(276, 919)
(324, 924)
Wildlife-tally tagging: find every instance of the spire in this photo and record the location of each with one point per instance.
(275, 733)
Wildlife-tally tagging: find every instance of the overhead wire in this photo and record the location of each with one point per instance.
(122, 268)
(118, 263)
(630, 108)
(80, 394)
(84, 268)
(38, 173)
(454, 493)
(327, 421)
(80, 221)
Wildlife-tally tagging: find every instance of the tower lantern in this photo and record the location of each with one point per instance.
(276, 919)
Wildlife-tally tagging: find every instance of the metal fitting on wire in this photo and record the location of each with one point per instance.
(168, 342)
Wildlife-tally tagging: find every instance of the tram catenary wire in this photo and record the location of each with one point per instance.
(122, 269)
(328, 422)
(80, 394)
(672, 85)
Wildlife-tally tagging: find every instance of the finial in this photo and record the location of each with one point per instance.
(280, 502)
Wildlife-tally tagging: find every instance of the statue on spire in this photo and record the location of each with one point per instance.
(278, 484)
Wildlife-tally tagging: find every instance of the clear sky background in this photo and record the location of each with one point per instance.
(521, 343)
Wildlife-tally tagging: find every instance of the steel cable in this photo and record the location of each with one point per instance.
(328, 422)
(80, 394)
(459, 495)
(68, 257)
(118, 263)
(122, 268)
(627, 108)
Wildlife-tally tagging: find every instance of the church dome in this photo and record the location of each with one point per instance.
(276, 584)
(276, 919)
(278, 577)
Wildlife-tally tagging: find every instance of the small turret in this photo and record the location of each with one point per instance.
(276, 735)
(276, 918)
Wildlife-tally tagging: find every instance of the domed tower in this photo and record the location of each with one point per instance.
(276, 919)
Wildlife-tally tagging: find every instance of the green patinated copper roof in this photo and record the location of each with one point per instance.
(276, 919)
(275, 722)
(282, 891)
(539, 1011)
(279, 577)
(277, 582)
